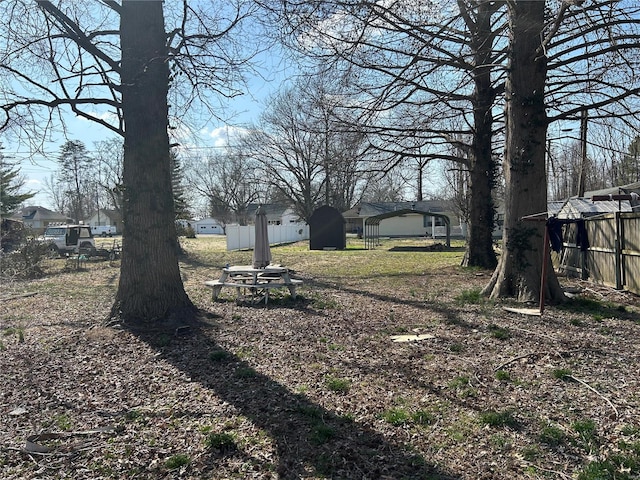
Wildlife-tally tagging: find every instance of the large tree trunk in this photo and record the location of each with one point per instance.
(520, 268)
(150, 285)
(482, 175)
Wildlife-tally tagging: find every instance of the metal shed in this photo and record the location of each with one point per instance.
(372, 225)
(327, 229)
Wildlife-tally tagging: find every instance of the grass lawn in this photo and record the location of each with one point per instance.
(317, 387)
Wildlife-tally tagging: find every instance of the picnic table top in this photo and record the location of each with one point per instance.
(251, 269)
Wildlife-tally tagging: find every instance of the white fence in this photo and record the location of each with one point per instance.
(243, 236)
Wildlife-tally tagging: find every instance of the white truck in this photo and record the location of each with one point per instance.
(103, 230)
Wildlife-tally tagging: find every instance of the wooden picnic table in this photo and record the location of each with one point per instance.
(254, 283)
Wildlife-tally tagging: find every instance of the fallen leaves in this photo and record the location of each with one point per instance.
(257, 376)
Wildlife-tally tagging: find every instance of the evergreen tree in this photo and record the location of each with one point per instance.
(629, 167)
(179, 201)
(10, 185)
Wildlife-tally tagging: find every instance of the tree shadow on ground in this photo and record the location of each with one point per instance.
(310, 440)
(450, 315)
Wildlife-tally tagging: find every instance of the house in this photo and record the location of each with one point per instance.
(277, 213)
(208, 226)
(38, 218)
(105, 217)
(405, 225)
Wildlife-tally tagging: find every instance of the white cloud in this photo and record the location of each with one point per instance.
(225, 135)
(31, 183)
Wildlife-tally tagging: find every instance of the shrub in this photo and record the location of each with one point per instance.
(189, 232)
(25, 261)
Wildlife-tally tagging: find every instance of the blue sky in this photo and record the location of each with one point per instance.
(240, 112)
(263, 74)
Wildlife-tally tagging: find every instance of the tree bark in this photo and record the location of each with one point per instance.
(520, 267)
(482, 175)
(150, 285)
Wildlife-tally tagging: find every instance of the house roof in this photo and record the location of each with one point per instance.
(622, 189)
(372, 209)
(208, 221)
(272, 210)
(37, 212)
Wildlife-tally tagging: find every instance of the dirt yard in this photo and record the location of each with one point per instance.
(317, 387)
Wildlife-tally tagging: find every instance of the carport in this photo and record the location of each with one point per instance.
(372, 225)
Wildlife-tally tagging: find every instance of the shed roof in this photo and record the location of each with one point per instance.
(375, 220)
(580, 207)
(554, 206)
(372, 209)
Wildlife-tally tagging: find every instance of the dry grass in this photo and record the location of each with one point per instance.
(315, 388)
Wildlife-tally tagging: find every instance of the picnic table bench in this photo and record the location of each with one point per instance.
(257, 282)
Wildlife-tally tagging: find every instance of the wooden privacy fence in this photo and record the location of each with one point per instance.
(613, 255)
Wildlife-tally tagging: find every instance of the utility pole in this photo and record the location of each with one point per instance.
(583, 150)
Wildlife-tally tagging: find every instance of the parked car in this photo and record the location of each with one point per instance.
(69, 239)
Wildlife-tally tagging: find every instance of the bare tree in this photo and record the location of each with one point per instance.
(74, 177)
(563, 172)
(289, 157)
(609, 142)
(562, 63)
(391, 187)
(56, 193)
(228, 181)
(344, 144)
(109, 158)
(424, 75)
(306, 150)
(119, 57)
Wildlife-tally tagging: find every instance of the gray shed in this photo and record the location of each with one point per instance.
(327, 229)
